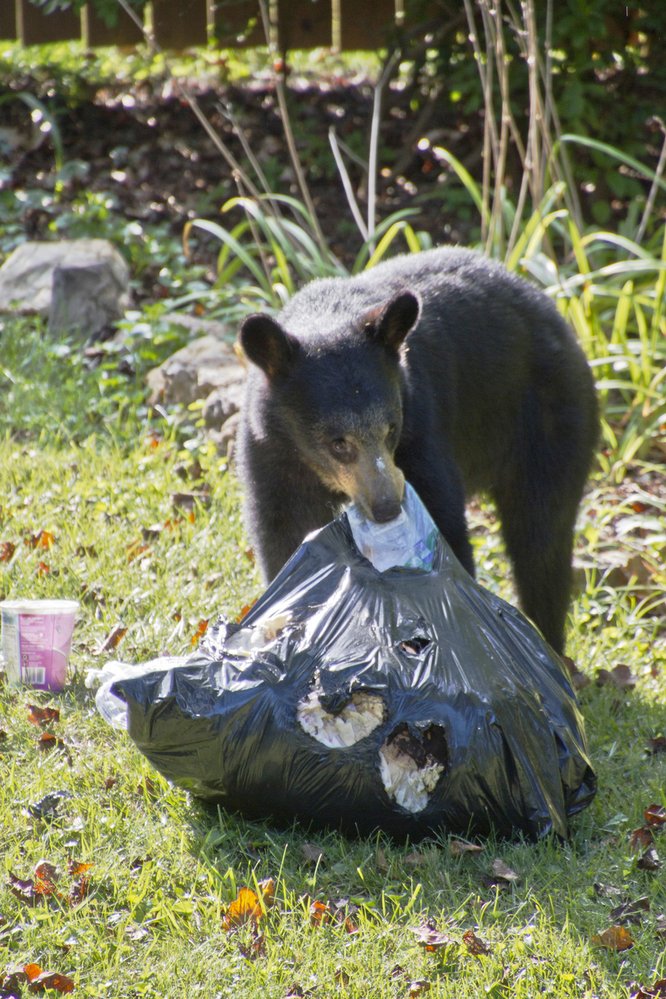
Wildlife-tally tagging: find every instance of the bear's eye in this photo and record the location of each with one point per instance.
(392, 437)
(342, 449)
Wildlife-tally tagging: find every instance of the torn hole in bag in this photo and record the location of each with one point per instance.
(411, 764)
(360, 716)
(415, 646)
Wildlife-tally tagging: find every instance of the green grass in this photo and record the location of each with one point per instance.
(164, 867)
(82, 458)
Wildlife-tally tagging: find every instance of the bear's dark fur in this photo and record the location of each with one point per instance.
(440, 366)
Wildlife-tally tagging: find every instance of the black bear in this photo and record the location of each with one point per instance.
(440, 367)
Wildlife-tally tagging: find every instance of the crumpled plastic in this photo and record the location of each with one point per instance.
(406, 700)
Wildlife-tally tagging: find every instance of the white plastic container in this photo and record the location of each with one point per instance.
(410, 540)
(36, 641)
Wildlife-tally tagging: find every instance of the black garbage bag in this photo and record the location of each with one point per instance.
(406, 700)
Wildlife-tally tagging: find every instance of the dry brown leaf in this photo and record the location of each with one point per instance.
(431, 939)
(312, 854)
(245, 908)
(7, 549)
(504, 872)
(458, 848)
(649, 861)
(631, 912)
(655, 815)
(616, 938)
(640, 839)
(112, 640)
(619, 677)
(655, 991)
(656, 745)
(475, 945)
(39, 715)
(201, 630)
(418, 988)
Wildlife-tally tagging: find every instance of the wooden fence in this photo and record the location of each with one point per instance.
(179, 24)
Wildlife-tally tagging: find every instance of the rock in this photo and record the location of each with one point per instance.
(194, 372)
(209, 369)
(89, 277)
(85, 298)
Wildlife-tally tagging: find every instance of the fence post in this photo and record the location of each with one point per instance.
(180, 25)
(35, 28)
(365, 24)
(304, 24)
(96, 32)
(237, 24)
(7, 21)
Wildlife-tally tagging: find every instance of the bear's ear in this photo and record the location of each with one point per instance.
(267, 345)
(391, 324)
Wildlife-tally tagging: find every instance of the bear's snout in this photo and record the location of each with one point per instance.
(385, 510)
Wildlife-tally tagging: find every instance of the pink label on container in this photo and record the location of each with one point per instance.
(44, 642)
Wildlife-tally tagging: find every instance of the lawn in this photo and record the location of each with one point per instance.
(117, 884)
(92, 508)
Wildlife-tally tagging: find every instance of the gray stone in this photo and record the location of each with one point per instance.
(222, 403)
(208, 368)
(204, 366)
(27, 281)
(85, 298)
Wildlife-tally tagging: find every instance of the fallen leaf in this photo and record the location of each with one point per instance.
(320, 913)
(42, 715)
(418, 988)
(432, 939)
(655, 815)
(43, 539)
(47, 807)
(458, 848)
(342, 977)
(245, 908)
(655, 991)
(78, 891)
(187, 502)
(614, 938)
(112, 640)
(51, 980)
(42, 569)
(48, 740)
(201, 630)
(640, 838)
(504, 872)
(649, 861)
(7, 549)
(620, 677)
(148, 788)
(631, 912)
(475, 945)
(656, 745)
(245, 610)
(77, 867)
(46, 876)
(577, 677)
(135, 549)
(23, 889)
(607, 891)
(312, 854)
(415, 859)
(381, 860)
